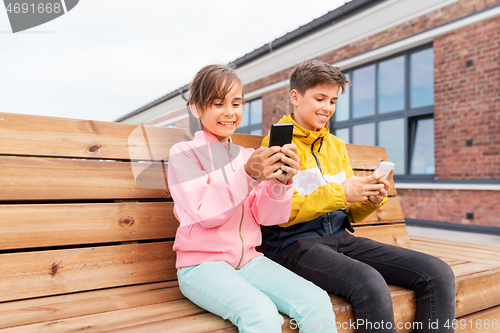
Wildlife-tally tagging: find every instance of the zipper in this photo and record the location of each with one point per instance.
(330, 223)
(241, 237)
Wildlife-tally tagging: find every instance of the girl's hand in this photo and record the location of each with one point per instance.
(292, 161)
(264, 163)
(376, 199)
(359, 189)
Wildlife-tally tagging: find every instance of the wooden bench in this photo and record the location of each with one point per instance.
(84, 247)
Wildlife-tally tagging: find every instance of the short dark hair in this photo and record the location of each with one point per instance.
(310, 73)
(210, 83)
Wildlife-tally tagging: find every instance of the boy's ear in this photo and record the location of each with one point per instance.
(294, 95)
(194, 110)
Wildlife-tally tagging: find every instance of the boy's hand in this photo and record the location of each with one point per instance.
(359, 189)
(376, 199)
(292, 161)
(264, 163)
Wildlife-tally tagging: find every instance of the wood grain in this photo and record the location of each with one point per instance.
(27, 135)
(42, 273)
(365, 157)
(62, 179)
(393, 234)
(390, 212)
(53, 308)
(30, 226)
(487, 321)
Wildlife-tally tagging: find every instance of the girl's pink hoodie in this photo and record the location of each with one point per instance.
(220, 210)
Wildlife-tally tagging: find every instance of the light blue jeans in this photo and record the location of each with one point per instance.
(252, 296)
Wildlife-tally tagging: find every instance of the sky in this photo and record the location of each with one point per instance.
(107, 58)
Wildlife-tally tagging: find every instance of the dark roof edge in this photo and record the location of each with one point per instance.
(322, 22)
(330, 18)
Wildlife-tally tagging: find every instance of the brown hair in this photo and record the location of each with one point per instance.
(310, 73)
(210, 83)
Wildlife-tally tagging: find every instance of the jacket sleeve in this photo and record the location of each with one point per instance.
(210, 199)
(272, 202)
(358, 211)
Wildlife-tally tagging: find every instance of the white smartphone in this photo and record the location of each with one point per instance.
(384, 167)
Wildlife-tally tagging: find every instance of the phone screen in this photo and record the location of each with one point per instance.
(281, 134)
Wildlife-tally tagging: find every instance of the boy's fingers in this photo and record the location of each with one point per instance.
(289, 160)
(275, 158)
(289, 170)
(291, 153)
(269, 151)
(374, 177)
(291, 146)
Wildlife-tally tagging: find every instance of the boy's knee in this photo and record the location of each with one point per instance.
(439, 271)
(372, 292)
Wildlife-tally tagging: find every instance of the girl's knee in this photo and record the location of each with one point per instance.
(263, 317)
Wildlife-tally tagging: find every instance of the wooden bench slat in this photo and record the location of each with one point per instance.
(60, 137)
(389, 213)
(456, 253)
(488, 248)
(118, 319)
(365, 157)
(475, 322)
(394, 234)
(475, 252)
(61, 179)
(46, 309)
(27, 135)
(201, 323)
(476, 292)
(30, 226)
(42, 273)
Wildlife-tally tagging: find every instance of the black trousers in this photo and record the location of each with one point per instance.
(359, 269)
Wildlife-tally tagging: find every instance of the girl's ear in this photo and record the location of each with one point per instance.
(294, 97)
(194, 110)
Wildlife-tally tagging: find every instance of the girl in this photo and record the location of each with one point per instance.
(222, 194)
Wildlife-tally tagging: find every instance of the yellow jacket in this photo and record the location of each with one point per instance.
(324, 166)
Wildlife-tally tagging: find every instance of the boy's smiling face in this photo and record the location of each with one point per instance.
(314, 108)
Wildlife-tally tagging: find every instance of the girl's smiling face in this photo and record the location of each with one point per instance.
(223, 117)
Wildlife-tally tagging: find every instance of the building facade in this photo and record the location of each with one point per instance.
(425, 84)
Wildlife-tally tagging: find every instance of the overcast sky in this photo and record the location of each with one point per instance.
(106, 58)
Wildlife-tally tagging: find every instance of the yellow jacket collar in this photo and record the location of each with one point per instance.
(307, 136)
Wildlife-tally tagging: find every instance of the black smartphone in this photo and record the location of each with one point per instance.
(281, 134)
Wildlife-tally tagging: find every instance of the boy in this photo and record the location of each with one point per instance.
(314, 242)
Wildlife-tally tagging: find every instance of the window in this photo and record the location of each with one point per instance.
(251, 123)
(391, 104)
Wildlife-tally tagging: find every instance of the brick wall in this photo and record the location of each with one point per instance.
(466, 102)
(275, 104)
(452, 206)
(407, 29)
